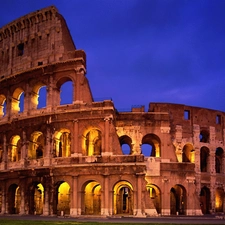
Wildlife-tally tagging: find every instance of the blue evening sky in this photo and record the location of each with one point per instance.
(141, 51)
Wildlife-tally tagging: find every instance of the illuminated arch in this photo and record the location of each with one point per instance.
(155, 195)
(126, 144)
(14, 151)
(17, 100)
(63, 198)
(178, 200)
(62, 143)
(36, 198)
(188, 153)
(123, 202)
(219, 199)
(151, 145)
(2, 105)
(92, 142)
(14, 199)
(91, 198)
(38, 97)
(36, 145)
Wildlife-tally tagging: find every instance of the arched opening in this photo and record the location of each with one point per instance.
(63, 205)
(38, 96)
(2, 105)
(204, 136)
(126, 144)
(151, 146)
(36, 199)
(18, 101)
(92, 142)
(178, 200)
(204, 158)
(188, 154)
(36, 145)
(66, 93)
(155, 195)
(205, 200)
(219, 160)
(219, 200)
(14, 152)
(123, 198)
(92, 198)
(14, 199)
(62, 143)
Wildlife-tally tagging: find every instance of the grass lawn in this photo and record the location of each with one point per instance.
(27, 222)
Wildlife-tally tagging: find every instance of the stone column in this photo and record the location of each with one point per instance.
(22, 205)
(74, 148)
(5, 155)
(74, 206)
(105, 199)
(106, 144)
(47, 151)
(165, 196)
(46, 201)
(139, 196)
(3, 210)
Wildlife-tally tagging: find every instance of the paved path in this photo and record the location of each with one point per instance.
(209, 219)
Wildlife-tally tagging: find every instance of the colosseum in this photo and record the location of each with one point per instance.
(77, 157)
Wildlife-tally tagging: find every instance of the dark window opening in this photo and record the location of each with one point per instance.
(40, 63)
(186, 114)
(218, 119)
(20, 48)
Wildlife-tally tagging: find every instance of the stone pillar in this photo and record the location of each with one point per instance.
(212, 197)
(52, 98)
(106, 144)
(47, 152)
(105, 199)
(74, 206)
(165, 197)
(75, 142)
(46, 201)
(5, 155)
(3, 210)
(138, 204)
(23, 150)
(22, 205)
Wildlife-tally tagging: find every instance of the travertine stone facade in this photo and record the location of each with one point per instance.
(84, 157)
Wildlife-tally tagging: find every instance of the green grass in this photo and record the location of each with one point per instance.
(38, 222)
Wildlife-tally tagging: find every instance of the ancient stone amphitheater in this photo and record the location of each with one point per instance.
(84, 157)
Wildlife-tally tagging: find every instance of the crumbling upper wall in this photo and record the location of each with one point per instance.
(39, 38)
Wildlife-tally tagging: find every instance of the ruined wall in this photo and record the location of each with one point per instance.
(36, 39)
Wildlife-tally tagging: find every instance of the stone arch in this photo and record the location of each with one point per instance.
(2, 105)
(219, 200)
(204, 159)
(126, 144)
(65, 86)
(14, 149)
(205, 200)
(178, 200)
(151, 145)
(38, 97)
(36, 145)
(123, 199)
(62, 143)
(155, 194)
(17, 100)
(14, 199)
(92, 142)
(63, 198)
(188, 153)
(91, 198)
(36, 198)
(219, 154)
